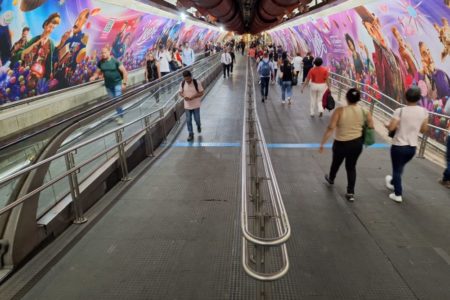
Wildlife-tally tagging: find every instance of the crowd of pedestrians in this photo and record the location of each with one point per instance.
(347, 123)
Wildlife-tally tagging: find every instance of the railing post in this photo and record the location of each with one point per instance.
(372, 107)
(423, 145)
(122, 156)
(163, 123)
(74, 189)
(148, 137)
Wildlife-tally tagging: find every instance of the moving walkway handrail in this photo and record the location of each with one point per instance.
(279, 210)
(70, 88)
(162, 114)
(132, 91)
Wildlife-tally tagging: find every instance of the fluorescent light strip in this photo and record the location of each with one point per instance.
(305, 18)
(146, 8)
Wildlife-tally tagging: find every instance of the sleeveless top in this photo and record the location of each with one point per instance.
(349, 126)
(152, 70)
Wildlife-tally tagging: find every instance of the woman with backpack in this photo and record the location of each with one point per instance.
(318, 79)
(286, 79)
(348, 123)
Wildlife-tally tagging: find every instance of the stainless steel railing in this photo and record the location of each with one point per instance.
(383, 106)
(73, 168)
(254, 150)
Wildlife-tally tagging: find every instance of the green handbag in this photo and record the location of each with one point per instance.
(368, 133)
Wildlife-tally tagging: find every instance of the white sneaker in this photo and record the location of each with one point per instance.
(388, 180)
(283, 102)
(396, 198)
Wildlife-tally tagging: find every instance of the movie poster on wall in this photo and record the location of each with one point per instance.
(387, 45)
(47, 45)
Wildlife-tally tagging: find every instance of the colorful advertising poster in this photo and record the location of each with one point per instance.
(388, 45)
(49, 45)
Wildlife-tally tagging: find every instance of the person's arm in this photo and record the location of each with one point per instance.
(125, 76)
(308, 79)
(145, 70)
(393, 124)
(96, 75)
(424, 126)
(331, 127)
(159, 70)
(370, 120)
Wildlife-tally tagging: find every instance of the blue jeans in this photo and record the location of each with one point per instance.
(189, 113)
(113, 92)
(400, 156)
(447, 171)
(286, 89)
(265, 86)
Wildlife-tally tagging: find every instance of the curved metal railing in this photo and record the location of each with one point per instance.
(252, 140)
(72, 169)
(384, 104)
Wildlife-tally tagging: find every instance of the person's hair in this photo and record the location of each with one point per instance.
(187, 73)
(353, 95)
(413, 94)
(348, 38)
(25, 29)
(299, 54)
(284, 55)
(51, 19)
(308, 53)
(318, 61)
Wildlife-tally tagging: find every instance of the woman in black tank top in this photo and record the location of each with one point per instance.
(151, 68)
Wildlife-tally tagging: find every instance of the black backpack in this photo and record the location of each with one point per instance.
(195, 84)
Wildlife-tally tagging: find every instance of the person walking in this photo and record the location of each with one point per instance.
(226, 61)
(308, 61)
(152, 72)
(446, 176)
(348, 123)
(115, 76)
(297, 61)
(233, 59)
(407, 122)
(192, 92)
(163, 57)
(286, 79)
(318, 79)
(265, 70)
(187, 55)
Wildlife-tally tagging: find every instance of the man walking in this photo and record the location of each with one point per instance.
(188, 55)
(265, 70)
(192, 91)
(226, 61)
(115, 75)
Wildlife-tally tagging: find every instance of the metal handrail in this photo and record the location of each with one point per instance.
(281, 219)
(29, 100)
(159, 84)
(381, 93)
(425, 140)
(162, 113)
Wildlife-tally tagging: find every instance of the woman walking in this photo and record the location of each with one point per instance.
(286, 79)
(348, 123)
(152, 68)
(407, 122)
(319, 82)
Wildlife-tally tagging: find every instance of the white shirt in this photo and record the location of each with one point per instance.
(163, 57)
(226, 58)
(408, 129)
(297, 63)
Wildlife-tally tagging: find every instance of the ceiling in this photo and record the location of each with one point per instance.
(250, 16)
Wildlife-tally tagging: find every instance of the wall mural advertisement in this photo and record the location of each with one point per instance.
(46, 45)
(387, 45)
